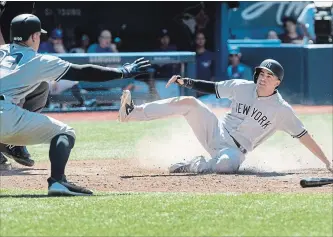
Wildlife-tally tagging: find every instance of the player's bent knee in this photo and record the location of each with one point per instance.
(68, 131)
(227, 164)
(65, 140)
(189, 100)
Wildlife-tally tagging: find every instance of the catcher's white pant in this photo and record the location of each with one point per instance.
(58, 87)
(226, 157)
(22, 127)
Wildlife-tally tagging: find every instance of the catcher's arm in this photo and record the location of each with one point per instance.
(96, 73)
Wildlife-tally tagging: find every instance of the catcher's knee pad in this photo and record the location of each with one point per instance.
(65, 140)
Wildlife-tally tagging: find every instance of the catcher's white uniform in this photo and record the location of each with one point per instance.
(21, 72)
(57, 87)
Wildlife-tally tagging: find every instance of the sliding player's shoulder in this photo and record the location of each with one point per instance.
(238, 85)
(237, 82)
(242, 82)
(285, 107)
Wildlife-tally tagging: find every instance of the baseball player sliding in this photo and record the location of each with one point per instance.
(257, 112)
(22, 70)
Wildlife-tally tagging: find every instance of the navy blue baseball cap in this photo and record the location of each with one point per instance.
(24, 25)
(57, 34)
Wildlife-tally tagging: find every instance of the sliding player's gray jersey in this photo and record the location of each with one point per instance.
(254, 119)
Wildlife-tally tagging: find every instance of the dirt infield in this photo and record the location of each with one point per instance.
(126, 175)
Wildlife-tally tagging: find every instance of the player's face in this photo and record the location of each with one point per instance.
(200, 40)
(267, 81)
(35, 40)
(105, 39)
(165, 40)
(290, 27)
(234, 59)
(85, 41)
(57, 41)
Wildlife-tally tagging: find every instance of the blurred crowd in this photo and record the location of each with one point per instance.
(291, 34)
(294, 32)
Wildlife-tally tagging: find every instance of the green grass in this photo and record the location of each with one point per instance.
(105, 139)
(113, 140)
(161, 214)
(115, 214)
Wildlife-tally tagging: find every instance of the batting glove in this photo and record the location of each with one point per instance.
(138, 67)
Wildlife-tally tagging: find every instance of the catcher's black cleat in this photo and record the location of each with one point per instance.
(64, 188)
(20, 154)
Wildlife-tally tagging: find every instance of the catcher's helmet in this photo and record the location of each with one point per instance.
(272, 66)
(24, 25)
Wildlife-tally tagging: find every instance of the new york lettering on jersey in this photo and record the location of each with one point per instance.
(254, 113)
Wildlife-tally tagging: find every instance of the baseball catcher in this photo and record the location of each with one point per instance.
(22, 70)
(257, 112)
(35, 101)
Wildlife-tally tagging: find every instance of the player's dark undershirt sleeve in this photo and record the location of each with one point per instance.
(200, 85)
(92, 73)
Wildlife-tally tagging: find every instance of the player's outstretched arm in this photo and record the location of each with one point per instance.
(311, 144)
(198, 85)
(95, 73)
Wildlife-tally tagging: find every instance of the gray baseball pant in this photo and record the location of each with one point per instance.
(226, 157)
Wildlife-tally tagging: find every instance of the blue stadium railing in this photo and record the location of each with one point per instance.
(110, 92)
(308, 69)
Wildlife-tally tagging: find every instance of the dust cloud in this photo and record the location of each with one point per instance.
(179, 144)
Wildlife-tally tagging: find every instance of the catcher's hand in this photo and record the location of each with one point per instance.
(138, 67)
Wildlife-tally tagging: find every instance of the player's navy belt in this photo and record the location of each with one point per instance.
(240, 147)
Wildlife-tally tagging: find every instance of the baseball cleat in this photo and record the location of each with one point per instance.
(180, 168)
(20, 154)
(126, 105)
(64, 188)
(4, 163)
(196, 165)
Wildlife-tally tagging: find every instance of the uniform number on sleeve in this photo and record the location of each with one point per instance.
(10, 62)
